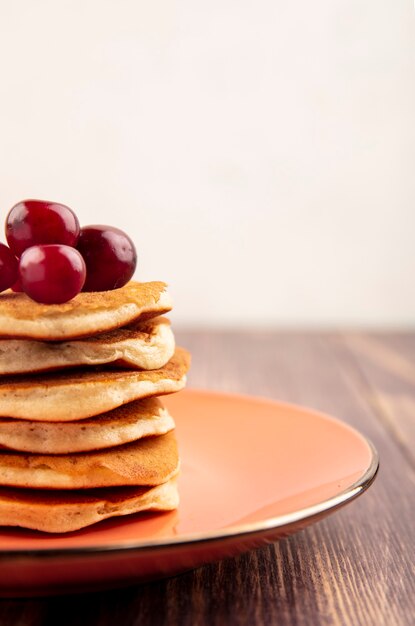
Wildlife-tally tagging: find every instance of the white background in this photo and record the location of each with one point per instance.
(261, 153)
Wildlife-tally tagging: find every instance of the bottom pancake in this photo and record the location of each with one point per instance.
(63, 512)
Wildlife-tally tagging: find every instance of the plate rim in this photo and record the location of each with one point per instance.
(233, 531)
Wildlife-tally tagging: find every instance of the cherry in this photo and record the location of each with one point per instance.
(17, 286)
(33, 222)
(9, 270)
(110, 257)
(52, 274)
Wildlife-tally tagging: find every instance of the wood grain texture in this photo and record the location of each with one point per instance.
(354, 568)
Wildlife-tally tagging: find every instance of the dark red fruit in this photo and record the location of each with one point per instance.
(9, 270)
(17, 286)
(110, 257)
(34, 222)
(52, 274)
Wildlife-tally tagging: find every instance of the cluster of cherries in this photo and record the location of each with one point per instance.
(51, 258)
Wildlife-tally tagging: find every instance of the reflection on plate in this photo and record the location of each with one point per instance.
(253, 470)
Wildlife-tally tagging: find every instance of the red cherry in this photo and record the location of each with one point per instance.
(17, 286)
(9, 270)
(52, 274)
(34, 222)
(110, 257)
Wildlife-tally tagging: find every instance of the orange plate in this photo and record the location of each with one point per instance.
(253, 470)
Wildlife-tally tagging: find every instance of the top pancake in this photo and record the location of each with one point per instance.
(86, 314)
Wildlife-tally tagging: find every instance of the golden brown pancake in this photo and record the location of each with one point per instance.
(132, 421)
(145, 344)
(149, 461)
(63, 512)
(86, 314)
(77, 394)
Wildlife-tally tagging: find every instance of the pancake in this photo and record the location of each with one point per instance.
(140, 345)
(86, 314)
(132, 421)
(77, 394)
(146, 462)
(63, 512)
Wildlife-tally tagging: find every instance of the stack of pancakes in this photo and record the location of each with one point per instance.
(83, 435)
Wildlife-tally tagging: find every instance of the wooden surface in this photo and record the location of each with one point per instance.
(354, 568)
